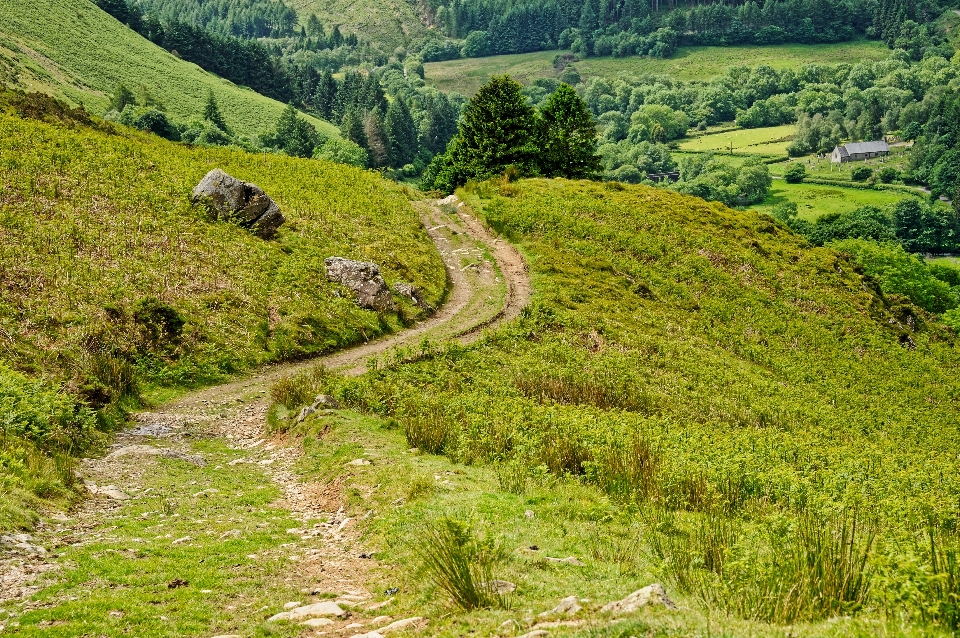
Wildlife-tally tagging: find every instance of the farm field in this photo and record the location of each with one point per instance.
(690, 63)
(814, 200)
(759, 141)
(73, 50)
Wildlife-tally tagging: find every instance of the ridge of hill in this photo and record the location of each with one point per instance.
(73, 50)
(115, 287)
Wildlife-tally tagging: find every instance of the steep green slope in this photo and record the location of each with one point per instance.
(112, 282)
(73, 50)
(389, 23)
(782, 439)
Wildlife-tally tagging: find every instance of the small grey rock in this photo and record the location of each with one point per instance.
(650, 595)
(325, 401)
(414, 294)
(305, 412)
(499, 586)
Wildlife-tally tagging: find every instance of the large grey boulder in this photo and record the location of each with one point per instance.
(230, 199)
(364, 279)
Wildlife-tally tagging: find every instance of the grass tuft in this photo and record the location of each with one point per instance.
(460, 563)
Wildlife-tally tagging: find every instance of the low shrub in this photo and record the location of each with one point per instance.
(861, 173)
(795, 173)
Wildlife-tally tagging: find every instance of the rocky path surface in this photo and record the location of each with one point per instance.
(482, 293)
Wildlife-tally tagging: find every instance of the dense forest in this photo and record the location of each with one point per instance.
(637, 27)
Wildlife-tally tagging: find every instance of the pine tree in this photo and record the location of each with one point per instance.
(352, 128)
(401, 133)
(498, 130)
(326, 95)
(122, 96)
(293, 135)
(211, 113)
(378, 142)
(570, 136)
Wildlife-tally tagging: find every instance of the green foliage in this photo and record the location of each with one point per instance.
(888, 174)
(498, 129)
(293, 135)
(715, 180)
(570, 136)
(342, 152)
(796, 173)
(461, 563)
(866, 222)
(900, 273)
(296, 391)
(121, 97)
(924, 228)
(861, 173)
(657, 123)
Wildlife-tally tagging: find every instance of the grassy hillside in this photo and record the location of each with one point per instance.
(779, 451)
(690, 63)
(73, 50)
(113, 283)
(389, 23)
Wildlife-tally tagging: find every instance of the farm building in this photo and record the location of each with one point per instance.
(858, 151)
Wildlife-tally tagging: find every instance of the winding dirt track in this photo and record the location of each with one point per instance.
(481, 294)
(461, 240)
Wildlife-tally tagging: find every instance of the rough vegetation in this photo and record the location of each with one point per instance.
(114, 282)
(734, 383)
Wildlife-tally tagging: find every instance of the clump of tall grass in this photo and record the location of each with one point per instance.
(301, 388)
(461, 563)
(944, 588)
(513, 476)
(814, 569)
(425, 425)
(629, 471)
(603, 390)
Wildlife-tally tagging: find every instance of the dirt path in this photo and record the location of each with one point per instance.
(482, 293)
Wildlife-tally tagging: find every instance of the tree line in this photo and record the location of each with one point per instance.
(632, 27)
(247, 62)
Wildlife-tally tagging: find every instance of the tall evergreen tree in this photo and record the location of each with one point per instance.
(325, 95)
(211, 112)
(570, 136)
(378, 141)
(121, 97)
(498, 130)
(352, 128)
(401, 133)
(293, 135)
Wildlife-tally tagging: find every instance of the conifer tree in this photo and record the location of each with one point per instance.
(570, 136)
(211, 112)
(293, 134)
(498, 130)
(325, 95)
(122, 96)
(352, 128)
(377, 140)
(401, 133)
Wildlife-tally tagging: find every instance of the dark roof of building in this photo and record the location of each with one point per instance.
(862, 148)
